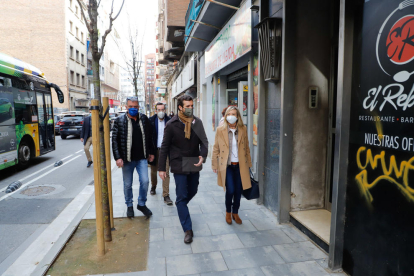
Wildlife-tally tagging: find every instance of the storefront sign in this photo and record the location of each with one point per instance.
(114, 102)
(233, 41)
(380, 193)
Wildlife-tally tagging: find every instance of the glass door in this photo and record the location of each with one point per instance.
(46, 138)
(232, 96)
(50, 128)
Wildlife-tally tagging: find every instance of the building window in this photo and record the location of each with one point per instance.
(77, 79)
(112, 67)
(82, 36)
(71, 52)
(77, 32)
(70, 3)
(76, 10)
(72, 75)
(71, 27)
(82, 59)
(77, 55)
(83, 81)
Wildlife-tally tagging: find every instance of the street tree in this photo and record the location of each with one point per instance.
(97, 51)
(133, 55)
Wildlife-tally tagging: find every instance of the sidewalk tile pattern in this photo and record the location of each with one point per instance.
(258, 247)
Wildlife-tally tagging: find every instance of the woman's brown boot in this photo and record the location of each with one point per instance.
(237, 218)
(228, 218)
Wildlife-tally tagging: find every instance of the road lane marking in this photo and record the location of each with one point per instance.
(30, 175)
(79, 151)
(37, 178)
(51, 165)
(66, 157)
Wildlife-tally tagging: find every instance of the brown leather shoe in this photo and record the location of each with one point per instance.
(228, 218)
(237, 218)
(188, 238)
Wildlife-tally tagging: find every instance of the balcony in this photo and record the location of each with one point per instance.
(173, 54)
(199, 35)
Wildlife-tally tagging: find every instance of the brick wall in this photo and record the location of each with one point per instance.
(176, 10)
(35, 33)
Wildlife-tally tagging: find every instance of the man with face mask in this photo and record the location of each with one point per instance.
(158, 122)
(132, 145)
(185, 142)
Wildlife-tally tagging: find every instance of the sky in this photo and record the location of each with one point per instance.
(140, 14)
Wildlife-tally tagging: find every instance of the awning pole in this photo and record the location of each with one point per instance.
(198, 38)
(199, 22)
(222, 4)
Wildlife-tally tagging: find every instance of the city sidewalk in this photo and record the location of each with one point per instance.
(259, 246)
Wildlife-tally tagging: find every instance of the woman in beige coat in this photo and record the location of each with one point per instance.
(231, 161)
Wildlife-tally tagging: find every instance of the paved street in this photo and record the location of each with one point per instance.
(259, 246)
(26, 213)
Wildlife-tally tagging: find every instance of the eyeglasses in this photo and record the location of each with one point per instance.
(134, 99)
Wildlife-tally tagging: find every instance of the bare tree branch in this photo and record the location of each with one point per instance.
(133, 56)
(111, 20)
(84, 17)
(123, 1)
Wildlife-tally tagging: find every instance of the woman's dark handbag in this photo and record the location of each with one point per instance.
(253, 192)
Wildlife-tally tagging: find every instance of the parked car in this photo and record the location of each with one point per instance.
(71, 124)
(57, 119)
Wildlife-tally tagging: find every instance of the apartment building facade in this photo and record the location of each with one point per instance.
(149, 83)
(170, 44)
(56, 48)
(77, 62)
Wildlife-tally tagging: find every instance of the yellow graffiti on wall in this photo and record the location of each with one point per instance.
(394, 174)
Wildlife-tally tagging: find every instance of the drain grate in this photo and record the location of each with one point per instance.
(37, 191)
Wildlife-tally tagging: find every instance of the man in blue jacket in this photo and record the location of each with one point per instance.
(158, 122)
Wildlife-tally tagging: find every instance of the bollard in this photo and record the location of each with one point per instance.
(107, 130)
(13, 187)
(97, 178)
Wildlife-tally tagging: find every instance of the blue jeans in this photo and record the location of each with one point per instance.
(186, 186)
(234, 189)
(128, 172)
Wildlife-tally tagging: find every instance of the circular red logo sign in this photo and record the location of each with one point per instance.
(400, 41)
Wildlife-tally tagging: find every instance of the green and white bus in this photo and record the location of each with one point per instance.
(26, 112)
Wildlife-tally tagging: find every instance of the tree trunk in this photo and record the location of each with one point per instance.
(102, 167)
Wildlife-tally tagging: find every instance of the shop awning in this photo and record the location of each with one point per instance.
(212, 14)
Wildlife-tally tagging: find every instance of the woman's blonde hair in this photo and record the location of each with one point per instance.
(239, 117)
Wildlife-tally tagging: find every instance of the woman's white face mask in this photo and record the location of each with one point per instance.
(231, 119)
